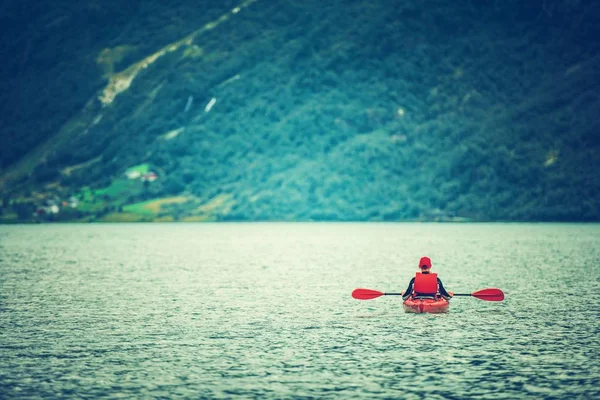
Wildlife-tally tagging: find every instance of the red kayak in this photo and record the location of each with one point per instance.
(433, 306)
(429, 305)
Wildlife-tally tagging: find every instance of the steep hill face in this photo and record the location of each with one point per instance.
(285, 111)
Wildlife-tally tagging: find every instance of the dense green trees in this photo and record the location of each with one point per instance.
(337, 111)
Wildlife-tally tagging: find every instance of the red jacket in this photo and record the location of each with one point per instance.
(425, 283)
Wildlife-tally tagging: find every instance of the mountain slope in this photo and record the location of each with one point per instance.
(337, 111)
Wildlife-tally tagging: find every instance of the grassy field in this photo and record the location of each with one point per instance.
(153, 207)
(142, 169)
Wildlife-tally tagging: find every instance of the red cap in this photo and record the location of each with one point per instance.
(424, 262)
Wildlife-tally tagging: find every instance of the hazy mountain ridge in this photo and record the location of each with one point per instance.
(343, 111)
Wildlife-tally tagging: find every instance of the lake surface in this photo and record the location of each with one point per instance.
(264, 310)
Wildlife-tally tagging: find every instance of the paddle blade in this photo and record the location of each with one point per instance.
(489, 294)
(366, 294)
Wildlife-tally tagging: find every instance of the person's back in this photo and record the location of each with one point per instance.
(425, 284)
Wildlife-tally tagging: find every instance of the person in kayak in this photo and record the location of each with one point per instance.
(425, 283)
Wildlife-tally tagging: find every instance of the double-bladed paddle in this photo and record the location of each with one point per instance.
(484, 294)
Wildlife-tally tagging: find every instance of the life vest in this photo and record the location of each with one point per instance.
(425, 284)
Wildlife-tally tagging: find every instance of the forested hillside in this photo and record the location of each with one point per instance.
(285, 110)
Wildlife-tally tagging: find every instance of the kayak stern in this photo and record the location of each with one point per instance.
(432, 306)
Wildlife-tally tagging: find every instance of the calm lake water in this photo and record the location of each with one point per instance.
(264, 310)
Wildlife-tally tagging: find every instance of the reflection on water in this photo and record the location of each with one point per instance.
(264, 310)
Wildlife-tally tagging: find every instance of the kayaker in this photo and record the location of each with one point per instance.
(425, 283)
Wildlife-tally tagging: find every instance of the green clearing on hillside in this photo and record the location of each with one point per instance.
(141, 169)
(153, 207)
(120, 188)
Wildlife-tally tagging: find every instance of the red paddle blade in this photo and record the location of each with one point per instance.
(489, 294)
(366, 294)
